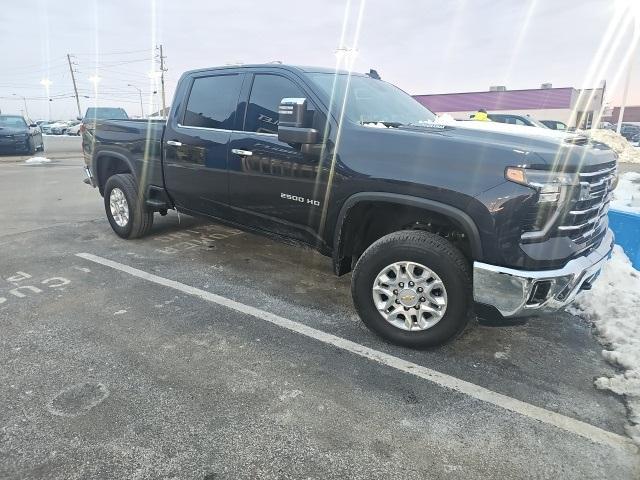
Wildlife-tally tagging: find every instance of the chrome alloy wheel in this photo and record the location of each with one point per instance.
(119, 207)
(409, 296)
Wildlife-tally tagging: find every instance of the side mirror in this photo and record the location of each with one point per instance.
(292, 122)
(33, 125)
(79, 118)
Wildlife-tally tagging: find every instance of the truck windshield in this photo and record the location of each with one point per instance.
(106, 113)
(372, 101)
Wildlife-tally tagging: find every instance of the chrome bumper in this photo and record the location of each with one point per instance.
(520, 293)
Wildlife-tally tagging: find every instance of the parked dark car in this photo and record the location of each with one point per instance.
(434, 220)
(629, 131)
(515, 119)
(554, 124)
(18, 136)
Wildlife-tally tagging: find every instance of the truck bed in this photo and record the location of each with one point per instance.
(136, 142)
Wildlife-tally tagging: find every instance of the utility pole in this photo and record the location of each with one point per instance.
(75, 88)
(162, 70)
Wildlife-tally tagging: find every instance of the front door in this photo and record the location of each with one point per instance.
(272, 185)
(196, 144)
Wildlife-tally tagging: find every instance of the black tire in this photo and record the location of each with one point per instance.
(140, 220)
(433, 252)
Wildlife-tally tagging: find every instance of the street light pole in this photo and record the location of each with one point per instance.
(24, 99)
(46, 83)
(139, 93)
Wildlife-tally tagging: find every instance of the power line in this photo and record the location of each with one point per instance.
(100, 54)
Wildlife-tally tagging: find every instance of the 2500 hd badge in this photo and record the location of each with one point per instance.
(295, 198)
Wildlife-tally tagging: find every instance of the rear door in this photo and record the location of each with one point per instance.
(196, 142)
(272, 185)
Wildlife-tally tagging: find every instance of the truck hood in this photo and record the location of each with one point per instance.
(542, 148)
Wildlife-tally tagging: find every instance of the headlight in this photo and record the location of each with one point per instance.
(549, 185)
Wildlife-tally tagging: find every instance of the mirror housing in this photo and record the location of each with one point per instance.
(33, 125)
(79, 118)
(292, 122)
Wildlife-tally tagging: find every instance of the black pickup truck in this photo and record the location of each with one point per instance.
(435, 220)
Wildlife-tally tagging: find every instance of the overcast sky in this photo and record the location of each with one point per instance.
(428, 46)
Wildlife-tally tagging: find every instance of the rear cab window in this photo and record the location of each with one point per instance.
(212, 102)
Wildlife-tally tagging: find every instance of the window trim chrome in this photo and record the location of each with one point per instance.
(179, 125)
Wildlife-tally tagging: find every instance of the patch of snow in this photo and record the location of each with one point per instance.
(289, 394)
(119, 312)
(375, 125)
(626, 152)
(37, 160)
(446, 119)
(613, 304)
(626, 196)
(504, 354)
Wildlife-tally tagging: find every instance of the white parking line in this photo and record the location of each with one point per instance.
(563, 422)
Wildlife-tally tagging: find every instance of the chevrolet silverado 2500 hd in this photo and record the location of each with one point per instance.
(435, 220)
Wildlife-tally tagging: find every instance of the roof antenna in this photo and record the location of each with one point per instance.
(373, 74)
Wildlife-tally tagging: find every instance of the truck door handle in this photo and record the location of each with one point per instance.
(242, 153)
(174, 143)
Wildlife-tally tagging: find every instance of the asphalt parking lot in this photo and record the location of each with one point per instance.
(205, 352)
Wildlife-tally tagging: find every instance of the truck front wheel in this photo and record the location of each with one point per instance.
(125, 209)
(413, 288)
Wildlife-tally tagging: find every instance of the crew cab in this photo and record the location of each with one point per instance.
(436, 220)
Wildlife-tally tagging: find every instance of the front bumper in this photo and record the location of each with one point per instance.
(14, 145)
(520, 293)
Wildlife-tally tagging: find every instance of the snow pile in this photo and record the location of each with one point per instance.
(613, 304)
(375, 125)
(37, 161)
(626, 152)
(626, 196)
(446, 119)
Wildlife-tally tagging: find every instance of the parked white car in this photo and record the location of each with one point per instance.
(74, 129)
(60, 128)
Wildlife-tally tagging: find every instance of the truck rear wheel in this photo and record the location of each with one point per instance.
(125, 209)
(413, 288)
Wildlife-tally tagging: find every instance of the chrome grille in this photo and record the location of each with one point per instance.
(586, 221)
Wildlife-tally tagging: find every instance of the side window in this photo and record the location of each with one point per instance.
(212, 102)
(518, 121)
(266, 93)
